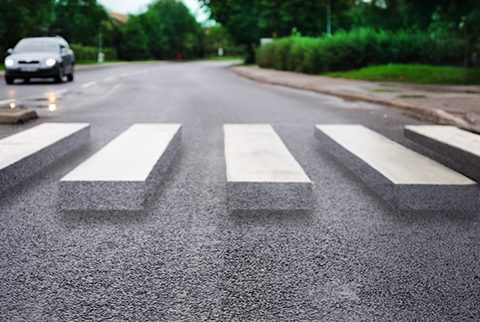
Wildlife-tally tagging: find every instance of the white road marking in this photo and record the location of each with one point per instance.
(117, 176)
(8, 101)
(261, 171)
(90, 84)
(461, 148)
(26, 143)
(395, 162)
(27, 152)
(449, 135)
(61, 91)
(255, 153)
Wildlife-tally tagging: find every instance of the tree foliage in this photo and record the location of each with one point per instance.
(250, 20)
(79, 21)
(21, 18)
(215, 37)
(166, 30)
(358, 48)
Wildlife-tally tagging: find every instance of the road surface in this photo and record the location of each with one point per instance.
(186, 257)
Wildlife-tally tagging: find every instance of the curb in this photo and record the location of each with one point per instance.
(19, 115)
(436, 115)
(80, 67)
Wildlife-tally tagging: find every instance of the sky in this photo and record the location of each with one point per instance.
(135, 6)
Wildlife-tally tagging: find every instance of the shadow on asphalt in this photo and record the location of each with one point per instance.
(38, 81)
(95, 217)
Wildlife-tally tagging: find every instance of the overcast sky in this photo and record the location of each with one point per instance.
(135, 6)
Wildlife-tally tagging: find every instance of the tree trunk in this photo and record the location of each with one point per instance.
(250, 59)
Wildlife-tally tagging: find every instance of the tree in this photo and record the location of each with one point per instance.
(217, 36)
(165, 30)
(134, 41)
(248, 21)
(454, 20)
(170, 28)
(22, 18)
(79, 21)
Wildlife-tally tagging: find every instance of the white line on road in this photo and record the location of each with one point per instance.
(109, 181)
(7, 101)
(261, 171)
(26, 152)
(90, 84)
(61, 91)
(110, 79)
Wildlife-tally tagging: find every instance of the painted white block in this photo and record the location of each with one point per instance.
(261, 172)
(25, 153)
(454, 147)
(398, 174)
(123, 173)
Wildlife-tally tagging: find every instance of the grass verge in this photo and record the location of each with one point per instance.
(414, 73)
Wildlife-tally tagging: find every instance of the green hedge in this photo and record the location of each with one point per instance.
(85, 53)
(356, 49)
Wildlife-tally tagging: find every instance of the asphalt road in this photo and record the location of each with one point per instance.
(186, 257)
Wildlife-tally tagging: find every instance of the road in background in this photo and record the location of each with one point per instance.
(186, 257)
(85, 76)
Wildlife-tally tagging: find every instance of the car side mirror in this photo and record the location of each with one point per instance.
(9, 51)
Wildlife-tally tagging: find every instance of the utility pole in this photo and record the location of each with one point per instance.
(101, 56)
(329, 17)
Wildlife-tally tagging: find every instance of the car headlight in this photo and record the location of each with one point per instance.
(9, 62)
(50, 62)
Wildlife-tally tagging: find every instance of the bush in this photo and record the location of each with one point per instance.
(358, 48)
(85, 53)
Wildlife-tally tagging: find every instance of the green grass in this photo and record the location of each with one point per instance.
(414, 73)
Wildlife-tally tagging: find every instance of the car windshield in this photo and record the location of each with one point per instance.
(36, 45)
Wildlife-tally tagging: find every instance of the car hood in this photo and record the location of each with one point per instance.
(34, 56)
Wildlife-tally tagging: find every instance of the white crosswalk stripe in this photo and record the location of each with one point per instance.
(453, 147)
(261, 172)
(27, 152)
(122, 174)
(398, 174)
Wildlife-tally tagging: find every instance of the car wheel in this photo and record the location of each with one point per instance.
(9, 80)
(59, 77)
(70, 77)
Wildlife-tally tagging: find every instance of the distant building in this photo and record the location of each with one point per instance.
(118, 18)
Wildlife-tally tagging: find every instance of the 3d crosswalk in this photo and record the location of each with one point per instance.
(453, 147)
(29, 151)
(122, 174)
(401, 176)
(261, 173)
